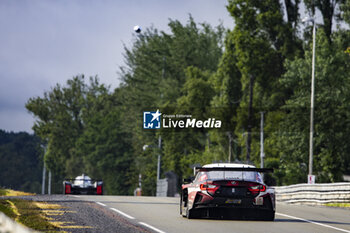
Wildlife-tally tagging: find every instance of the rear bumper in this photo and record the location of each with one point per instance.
(88, 191)
(205, 201)
(233, 213)
(245, 209)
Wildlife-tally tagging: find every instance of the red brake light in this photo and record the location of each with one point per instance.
(67, 189)
(99, 190)
(257, 187)
(209, 187)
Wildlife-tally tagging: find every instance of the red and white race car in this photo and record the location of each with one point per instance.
(228, 190)
(83, 185)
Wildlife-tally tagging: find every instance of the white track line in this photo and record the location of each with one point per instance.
(100, 203)
(151, 227)
(122, 213)
(75, 196)
(316, 223)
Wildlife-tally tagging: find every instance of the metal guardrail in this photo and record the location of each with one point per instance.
(7, 225)
(314, 193)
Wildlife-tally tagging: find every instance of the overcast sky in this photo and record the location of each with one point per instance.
(44, 42)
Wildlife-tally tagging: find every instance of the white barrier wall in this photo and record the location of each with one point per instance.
(7, 225)
(314, 193)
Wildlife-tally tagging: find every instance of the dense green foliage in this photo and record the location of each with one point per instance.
(82, 126)
(262, 64)
(20, 161)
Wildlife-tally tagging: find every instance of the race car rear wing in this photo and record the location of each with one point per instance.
(92, 180)
(248, 169)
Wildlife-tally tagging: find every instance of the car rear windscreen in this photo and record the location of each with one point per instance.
(231, 175)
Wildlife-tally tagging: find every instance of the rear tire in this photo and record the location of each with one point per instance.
(185, 211)
(269, 216)
(181, 205)
(189, 213)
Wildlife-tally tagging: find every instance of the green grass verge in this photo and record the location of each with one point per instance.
(343, 205)
(3, 192)
(27, 213)
(10, 192)
(7, 209)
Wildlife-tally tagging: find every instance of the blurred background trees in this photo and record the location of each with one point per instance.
(20, 161)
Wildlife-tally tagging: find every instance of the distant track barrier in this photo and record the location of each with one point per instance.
(7, 225)
(314, 193)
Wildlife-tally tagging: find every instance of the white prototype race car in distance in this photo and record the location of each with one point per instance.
(83, 185)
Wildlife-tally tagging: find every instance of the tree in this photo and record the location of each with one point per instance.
(292, 10)
(345, 9)
(262, 42)
(331, 112)
(328, 9)
(82, 126)
(20, 161)
(104, 146)
(58, 119)
(228, 94)
(197, 94)
(154, 77)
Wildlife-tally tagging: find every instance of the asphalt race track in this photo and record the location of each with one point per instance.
(125, 214)
(156, 214)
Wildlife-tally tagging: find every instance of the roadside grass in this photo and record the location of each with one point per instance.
(9, 192)
(6, 208)
(31, 216)
(39, 216)
(27, 213)
(343, 205)
(2, 192)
